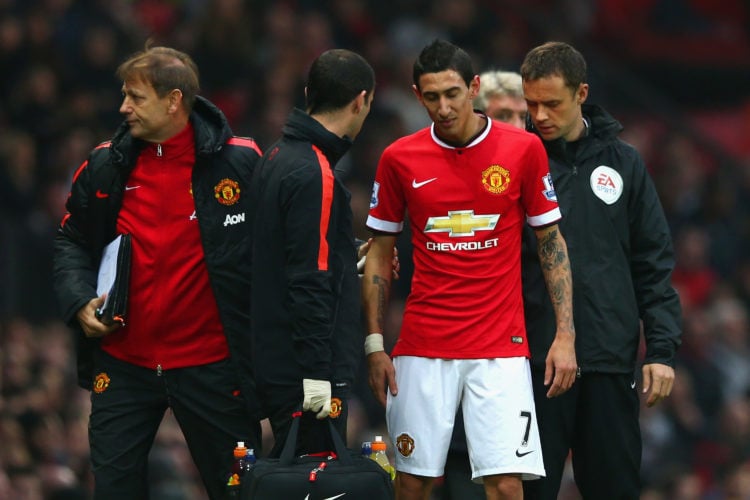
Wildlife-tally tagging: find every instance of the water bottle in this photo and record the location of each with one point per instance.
(249, 461)
(379, 455)
(240, 451)
(366, 449)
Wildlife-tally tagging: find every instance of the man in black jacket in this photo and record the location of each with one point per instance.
(622, 259)
(305, 299)
(176, 179)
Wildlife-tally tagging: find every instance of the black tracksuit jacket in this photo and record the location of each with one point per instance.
(306, 295)
(620, 253)
(91, 223)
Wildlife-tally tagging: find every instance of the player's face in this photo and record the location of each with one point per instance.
(146, 113)
(554, 108)
(449, 103)
(507, 109)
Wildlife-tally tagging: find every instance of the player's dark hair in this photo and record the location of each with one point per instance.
(441, 55)
(165, 69)
(335, 78)
(555, 58)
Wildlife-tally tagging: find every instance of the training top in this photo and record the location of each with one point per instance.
(215, 199)
(620, 251)
(467, 207)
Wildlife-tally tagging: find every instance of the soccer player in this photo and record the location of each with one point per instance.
(469, 185)
(500, 97)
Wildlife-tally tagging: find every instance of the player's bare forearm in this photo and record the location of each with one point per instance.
(560, 365)
(376, 284)
(553, 258)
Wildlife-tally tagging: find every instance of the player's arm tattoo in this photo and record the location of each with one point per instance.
(553, 257)
(383, 287)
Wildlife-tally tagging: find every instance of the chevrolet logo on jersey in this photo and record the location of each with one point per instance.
(461, 223)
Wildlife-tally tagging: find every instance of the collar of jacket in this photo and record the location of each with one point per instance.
(212, 131)
(301, 126)
(602, 125)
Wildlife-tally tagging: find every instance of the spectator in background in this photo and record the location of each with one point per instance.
(500, 97)
(622, 259)
(171, 177)
(469, 185)
(305, 288)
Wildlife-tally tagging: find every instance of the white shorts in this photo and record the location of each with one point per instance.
(499, 416)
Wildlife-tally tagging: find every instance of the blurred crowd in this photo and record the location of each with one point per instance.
(676, 73)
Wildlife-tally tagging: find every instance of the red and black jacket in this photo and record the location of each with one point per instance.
(306, 296)
(92, 212)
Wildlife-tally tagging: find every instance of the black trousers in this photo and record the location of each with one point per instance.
(128, 404)
(597, 422)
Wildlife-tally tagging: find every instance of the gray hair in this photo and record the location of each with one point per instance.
(498, 84)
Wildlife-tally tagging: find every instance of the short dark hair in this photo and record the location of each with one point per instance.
(336, 77)
(441, 55)
(165, 69)
(555, 58)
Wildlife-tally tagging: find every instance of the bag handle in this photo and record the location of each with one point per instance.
(287, 453)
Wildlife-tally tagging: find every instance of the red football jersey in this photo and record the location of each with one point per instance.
(466, 208)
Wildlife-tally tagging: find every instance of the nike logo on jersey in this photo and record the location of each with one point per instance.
(128, 188)
(328, 498)
(632, 384)
(520, 455)
(417, 185)
(99, 194)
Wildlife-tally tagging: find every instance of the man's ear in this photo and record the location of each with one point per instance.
(359, 102)
(417, 92)
(175, 100)
(582, 93)
(474, 87)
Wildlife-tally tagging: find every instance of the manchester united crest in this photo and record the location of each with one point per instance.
(101, 382)
(495, 179)
(405, 444)
(227, 192)
(336, 407)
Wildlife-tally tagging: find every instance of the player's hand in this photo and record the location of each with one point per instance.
(92, 327)
(658, 380)
(560, 366)
(396, 264)
(317, 397)
(362, 256)
(382, 375)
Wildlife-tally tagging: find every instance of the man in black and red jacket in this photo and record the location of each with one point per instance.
(176, 179)
(305, 290)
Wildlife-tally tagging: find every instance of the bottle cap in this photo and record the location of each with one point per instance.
(240, 450)
(378, 446)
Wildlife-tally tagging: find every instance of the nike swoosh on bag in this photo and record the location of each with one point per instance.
(417, 185)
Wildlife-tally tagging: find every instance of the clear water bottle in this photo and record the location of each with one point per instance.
(380, 456)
